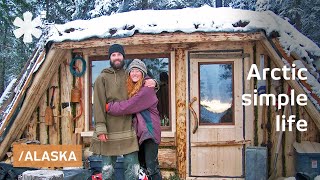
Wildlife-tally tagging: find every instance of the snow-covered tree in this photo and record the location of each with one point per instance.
(105, 7)
(310, 20)
(82, 9)
(292, 10)
(263, 5)
(13, 52)
(243, 4)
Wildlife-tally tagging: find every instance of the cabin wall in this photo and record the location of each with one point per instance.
(265, 122)
(168, 156)
(64, 129)
(260, 120)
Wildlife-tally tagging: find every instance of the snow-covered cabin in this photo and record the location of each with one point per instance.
(207, 54)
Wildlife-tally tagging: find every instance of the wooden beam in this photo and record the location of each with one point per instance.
(180, 69)
(220, 143)
(66, 86)
(310, 107)
(138, 50)
(167, 142)
(248, 89)
(260, 110)
(38, 87)
(130, 49)
(131, 56)
(162, 38)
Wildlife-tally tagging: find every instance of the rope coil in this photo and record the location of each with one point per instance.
(73, 68)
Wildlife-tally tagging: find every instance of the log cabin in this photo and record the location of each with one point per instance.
(206, 55)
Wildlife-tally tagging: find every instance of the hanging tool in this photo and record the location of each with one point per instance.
(78, 98)
(49, 117)
(52, 96)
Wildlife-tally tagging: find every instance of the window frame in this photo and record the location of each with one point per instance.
(233, 96)
(165, 131)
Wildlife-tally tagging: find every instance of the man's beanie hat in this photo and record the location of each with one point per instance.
(116, 48)
(137, 63)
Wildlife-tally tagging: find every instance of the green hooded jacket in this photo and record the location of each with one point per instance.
(109, 86)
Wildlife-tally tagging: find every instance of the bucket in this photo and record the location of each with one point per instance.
(256, 163)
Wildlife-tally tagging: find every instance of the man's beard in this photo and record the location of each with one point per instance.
(117, 66)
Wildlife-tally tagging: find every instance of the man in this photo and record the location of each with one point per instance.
(114, 135)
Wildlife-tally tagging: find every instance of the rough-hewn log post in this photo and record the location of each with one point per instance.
(180, 69)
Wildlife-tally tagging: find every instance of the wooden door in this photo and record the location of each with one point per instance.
(216, 134)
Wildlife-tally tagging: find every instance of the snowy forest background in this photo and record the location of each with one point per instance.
(303, 14)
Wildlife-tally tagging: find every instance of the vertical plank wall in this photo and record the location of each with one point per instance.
(63, 130)
(285, 161)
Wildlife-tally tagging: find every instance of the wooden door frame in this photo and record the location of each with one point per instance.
(188, 131)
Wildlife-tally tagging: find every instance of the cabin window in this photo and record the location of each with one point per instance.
(158, 68)
(216, 93)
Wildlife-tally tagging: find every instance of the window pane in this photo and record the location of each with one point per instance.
(97, 67)
(216, 93)
(159, 70)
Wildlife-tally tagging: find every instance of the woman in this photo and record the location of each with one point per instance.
(142, 103)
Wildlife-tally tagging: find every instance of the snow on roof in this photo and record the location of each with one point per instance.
(188, 20)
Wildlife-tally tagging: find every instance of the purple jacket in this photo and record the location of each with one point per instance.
(144, 106)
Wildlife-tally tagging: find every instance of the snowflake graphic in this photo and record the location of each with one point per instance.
(27, 27)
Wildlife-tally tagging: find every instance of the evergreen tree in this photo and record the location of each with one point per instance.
(243, 4)
(292, 10)
(310, 20)
(304, 15)
(105, 7)
(82, 9)
(13, 52)
(58, 12)
(263, 5)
